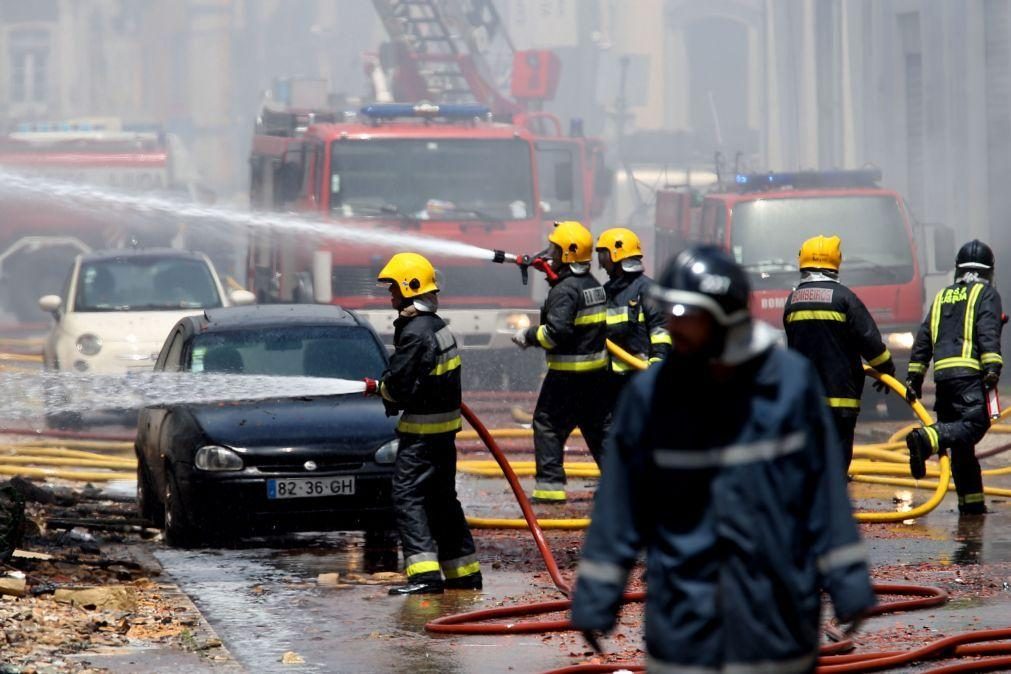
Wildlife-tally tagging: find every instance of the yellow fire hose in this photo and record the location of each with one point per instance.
(881, 451)
(61, 452)
(78, 475)
(70, 443)
(65, 462)
(21, 357)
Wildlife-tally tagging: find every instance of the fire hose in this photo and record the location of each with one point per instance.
(475, 622)
(860, 469)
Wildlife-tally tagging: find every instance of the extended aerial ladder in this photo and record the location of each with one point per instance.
(458, 51)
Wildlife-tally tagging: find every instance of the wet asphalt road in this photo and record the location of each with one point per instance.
(263, 599)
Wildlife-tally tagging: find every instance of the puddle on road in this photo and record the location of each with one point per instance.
(264, 601)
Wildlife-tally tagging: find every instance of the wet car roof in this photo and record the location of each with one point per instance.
(259, 315)
(140, 253)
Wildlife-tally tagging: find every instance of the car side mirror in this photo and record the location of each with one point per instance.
(50, 304)
(241, 297)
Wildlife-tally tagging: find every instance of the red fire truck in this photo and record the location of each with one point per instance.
(762, 219)
(39, 239)
(444, 171)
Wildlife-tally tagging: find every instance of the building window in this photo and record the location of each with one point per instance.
(29, 66)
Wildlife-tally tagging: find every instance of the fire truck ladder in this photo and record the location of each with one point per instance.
(443, 40)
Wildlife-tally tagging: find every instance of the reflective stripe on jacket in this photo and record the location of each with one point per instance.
(762, 522)
(827, 322)
(634, 324)
(573, 324)
(423, 378)
(961, 333)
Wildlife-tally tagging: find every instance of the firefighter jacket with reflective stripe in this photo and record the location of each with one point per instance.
(827, 322)
(961, 333)
(762, 522)
(573, 324)
(423, 378)
(633, 324)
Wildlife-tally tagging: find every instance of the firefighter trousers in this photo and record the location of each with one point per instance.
(845, 426)
(962, 421)
(433, 532)
(615, 385)
(567, 400)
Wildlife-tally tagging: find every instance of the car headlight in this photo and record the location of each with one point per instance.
(517, 321)
(89, 344)
(900, 340)
(213, 457)
(387, 454)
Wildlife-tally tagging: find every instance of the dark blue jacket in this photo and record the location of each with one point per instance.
(734, 490)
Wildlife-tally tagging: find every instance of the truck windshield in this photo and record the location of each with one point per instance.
(433, 179)
(145, 283)
(767, 233)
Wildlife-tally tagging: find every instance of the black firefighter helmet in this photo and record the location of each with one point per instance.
(975, 256)
(706, 278)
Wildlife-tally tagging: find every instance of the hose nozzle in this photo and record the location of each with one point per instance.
(500, 256)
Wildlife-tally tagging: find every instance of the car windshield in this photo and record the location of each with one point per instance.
(340, 352)
(767, 233)
(145, 284)
(433, 179)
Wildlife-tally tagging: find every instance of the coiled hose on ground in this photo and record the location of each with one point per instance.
(475, 622)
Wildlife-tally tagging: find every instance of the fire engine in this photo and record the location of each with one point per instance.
(474, 167)
(762, 219)
(38, 240)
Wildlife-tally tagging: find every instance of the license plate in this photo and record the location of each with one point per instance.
(303, 487)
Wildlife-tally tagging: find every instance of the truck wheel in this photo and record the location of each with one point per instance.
(179, 533)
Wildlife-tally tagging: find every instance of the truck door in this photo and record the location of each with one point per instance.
(559, 179)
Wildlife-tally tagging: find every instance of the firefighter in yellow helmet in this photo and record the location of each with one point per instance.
(572, 333)
(632, 323)
(828, 323)
(422, 383)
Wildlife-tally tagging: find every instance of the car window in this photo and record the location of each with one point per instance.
(173, 354)
(145, 284)
(341, 352)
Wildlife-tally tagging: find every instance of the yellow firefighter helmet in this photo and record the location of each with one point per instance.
(621, 243)
(821, 252)
(575, 241)
(412, 273)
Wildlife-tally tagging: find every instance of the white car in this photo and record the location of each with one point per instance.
(118, 306)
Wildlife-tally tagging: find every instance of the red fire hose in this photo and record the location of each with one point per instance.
(962, 645)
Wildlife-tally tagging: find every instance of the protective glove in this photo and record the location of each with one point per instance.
(593, 639)
(914, 387)
(990, 379)
(371, 387)
(880, 386)
(391, 408)
(520, 339)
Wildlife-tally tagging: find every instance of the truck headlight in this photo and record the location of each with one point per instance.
(89, 344)
(900, 340)
(517, 321)
(216, 458)
(387, 454)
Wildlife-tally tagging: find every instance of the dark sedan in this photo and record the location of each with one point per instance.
(306, 463)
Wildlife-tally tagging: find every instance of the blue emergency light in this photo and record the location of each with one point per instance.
(809, 179)
(458, 111)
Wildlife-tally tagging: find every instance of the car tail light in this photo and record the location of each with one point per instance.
(213, 457)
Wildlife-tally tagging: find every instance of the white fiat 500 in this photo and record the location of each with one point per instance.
(118, 306)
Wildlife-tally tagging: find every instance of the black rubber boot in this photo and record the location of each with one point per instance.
(919, 449)
(471, 582)
(420, 586)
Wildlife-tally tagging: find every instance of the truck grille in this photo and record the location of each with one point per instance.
(489, 280)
